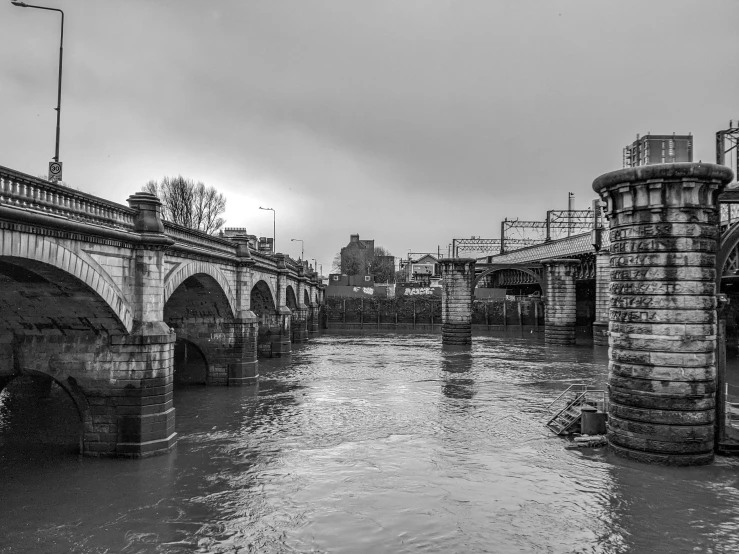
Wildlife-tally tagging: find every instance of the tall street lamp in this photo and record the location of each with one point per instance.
(274, 228)
(56, 174)
(302, 251)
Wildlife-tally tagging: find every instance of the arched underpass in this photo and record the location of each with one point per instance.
(201, 316)
(53, 328)
(263, 306)
(190, 366)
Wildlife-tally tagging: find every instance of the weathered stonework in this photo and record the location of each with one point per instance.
(560, 313)
(662, 331)
(458, 278)
(299, 323)
(281, 345)
(95, 295)
(602, 297)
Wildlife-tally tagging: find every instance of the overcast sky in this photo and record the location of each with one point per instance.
(409, 122)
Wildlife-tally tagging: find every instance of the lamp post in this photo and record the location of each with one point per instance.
(274, 228)
(59, 90)
(302, 251)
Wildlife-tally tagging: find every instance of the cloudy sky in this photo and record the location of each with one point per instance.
(410, 122)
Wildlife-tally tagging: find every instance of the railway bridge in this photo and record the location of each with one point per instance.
(108, 300)
(583, 261)
(671, 245)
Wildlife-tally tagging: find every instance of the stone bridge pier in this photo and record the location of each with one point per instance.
(281, 343)
(560, 313)
(458, 278)
(664, 230)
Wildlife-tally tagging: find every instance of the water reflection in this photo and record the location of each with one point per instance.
(376, 443)
(456, 364)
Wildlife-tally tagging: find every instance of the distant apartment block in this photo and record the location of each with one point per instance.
(658, 149)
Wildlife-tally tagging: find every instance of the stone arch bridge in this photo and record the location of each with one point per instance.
(96, 295)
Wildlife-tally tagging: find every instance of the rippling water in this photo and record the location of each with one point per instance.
(374, 443)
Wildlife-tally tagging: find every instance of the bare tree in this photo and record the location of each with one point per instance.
(336, 263)
(382, 265)
(189, 204)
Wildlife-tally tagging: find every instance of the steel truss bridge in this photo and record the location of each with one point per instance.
(522, 266)
(516, 233)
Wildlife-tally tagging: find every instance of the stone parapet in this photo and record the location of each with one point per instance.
(560, 315)
(458, 278)
(662, 370)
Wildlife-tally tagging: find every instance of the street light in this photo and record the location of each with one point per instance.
(59, 91)
(274, 227)
(302, 251)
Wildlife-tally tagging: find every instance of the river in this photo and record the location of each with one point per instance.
(372, 442)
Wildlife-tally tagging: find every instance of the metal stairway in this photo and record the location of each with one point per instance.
(567, 407)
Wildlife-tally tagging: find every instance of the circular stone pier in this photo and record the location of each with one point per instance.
(664, 232)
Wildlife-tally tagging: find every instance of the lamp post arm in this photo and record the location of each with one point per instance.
(59, 92)
(59, 89)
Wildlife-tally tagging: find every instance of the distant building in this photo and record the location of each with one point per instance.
(357, 255)
(658, 149)
(266, 245)
(351, 285)
(424, 270)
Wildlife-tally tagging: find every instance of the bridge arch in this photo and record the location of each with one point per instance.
(727, 253)
(291, 300)
(41, 387)
(538, 279)
(32, 253)
(191, 269)
(263, 301)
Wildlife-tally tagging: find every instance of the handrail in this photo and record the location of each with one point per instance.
(585, 397)
(581, 388)
(22, 191)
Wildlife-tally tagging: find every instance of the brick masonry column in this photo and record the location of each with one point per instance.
(243, 368)
(662, 370)
(602, 296)
(560, 312)
(281, 344)
(458, 278)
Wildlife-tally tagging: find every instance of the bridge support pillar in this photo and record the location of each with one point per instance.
(560, 314)
(602, 296)
(242, 368)
(662, 369)
(300, 318)
(300, 325)
(142, 396)
(281, 345)
(313, 319)
(458, 278)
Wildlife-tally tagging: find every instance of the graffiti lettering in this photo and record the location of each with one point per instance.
(418, 292)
